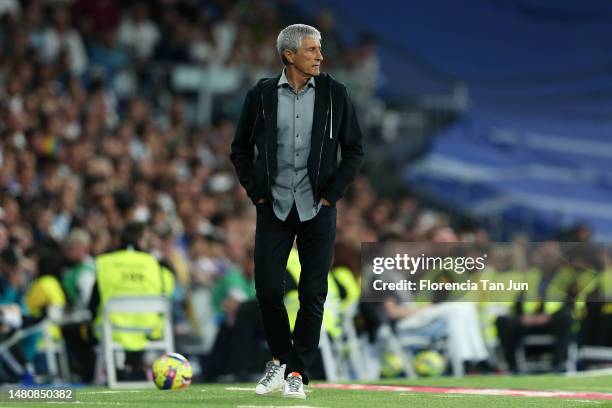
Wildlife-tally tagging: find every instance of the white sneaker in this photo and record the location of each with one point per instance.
(294, 388)
(273, 378)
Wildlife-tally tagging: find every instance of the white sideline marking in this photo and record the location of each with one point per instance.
(277, 406)
(107, 392)
(248, 389)
(591, 373)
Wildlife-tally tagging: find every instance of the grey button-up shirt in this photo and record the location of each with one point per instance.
(294, 122)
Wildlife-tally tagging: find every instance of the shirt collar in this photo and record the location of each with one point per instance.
(283, 80)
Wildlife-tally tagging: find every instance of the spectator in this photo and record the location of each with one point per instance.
(80, 272)
(138, 33)
(59, 36)
(91, 142)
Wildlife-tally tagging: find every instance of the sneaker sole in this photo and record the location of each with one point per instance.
(297, 396)
(269, 392)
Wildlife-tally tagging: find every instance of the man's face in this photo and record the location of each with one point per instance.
(308, 57)
(76, 252)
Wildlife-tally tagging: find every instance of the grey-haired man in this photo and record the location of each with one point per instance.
(295, 123)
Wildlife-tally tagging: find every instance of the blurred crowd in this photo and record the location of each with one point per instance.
(93, 135)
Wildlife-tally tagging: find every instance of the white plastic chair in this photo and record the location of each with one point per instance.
(330, 365)
(55, 349)
(133, 304)
(342, 357)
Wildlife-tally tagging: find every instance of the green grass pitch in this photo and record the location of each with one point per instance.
(242, 395)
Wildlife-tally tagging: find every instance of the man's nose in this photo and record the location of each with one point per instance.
(319, 56)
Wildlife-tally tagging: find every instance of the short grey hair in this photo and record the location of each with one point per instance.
(291, 38)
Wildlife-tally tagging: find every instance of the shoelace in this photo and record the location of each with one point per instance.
(294, 383)
(271, 370)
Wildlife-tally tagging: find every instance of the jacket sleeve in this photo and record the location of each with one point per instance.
(243, 147)
(349, 138)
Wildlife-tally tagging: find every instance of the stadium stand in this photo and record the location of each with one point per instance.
(115, 111)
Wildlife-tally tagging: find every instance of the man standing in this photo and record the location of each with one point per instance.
(295, 123)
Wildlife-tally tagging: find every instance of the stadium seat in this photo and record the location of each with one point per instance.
(399, 348)
(330, 364)
(542, 340)
(599, 354)
(54, 346)
(342, 357)
(132, 304)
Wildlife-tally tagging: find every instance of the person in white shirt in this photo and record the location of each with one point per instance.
(138, 33)
(61, 36)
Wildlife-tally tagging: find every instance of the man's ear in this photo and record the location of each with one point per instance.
(288, 55)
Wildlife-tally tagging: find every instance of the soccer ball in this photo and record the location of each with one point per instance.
(172, 372)
(429, 364)
(392, 365)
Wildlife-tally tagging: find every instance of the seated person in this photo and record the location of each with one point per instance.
(540, 310)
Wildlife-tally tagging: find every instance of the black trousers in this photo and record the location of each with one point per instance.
(511, 331)
(273, 241)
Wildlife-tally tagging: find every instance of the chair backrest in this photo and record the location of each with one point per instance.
(134, 304)
(138, 304)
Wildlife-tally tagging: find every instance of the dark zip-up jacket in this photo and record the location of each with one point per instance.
(334, 124)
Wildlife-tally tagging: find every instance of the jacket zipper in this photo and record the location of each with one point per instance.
(266, 140)
(321, 154)
(331, 119)
(255, 125)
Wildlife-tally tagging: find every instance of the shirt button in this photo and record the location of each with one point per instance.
(297, 154)
(295, 191)
(297, 116)
(297, 135)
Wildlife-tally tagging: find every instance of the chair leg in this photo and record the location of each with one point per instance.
(521, 359)
(99, 370)
(109, 355)
(572, 358)
(329, 362)
(386, 334)
(50, 348)
(356, 358)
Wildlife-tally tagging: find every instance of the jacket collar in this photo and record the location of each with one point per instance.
(269, 102)
(283, 80)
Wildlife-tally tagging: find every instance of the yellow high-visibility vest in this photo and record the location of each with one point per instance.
(331, 313)
(344, 277)
(132, 273)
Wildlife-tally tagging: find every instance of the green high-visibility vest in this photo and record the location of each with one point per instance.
(132, 273)
(331, 313)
